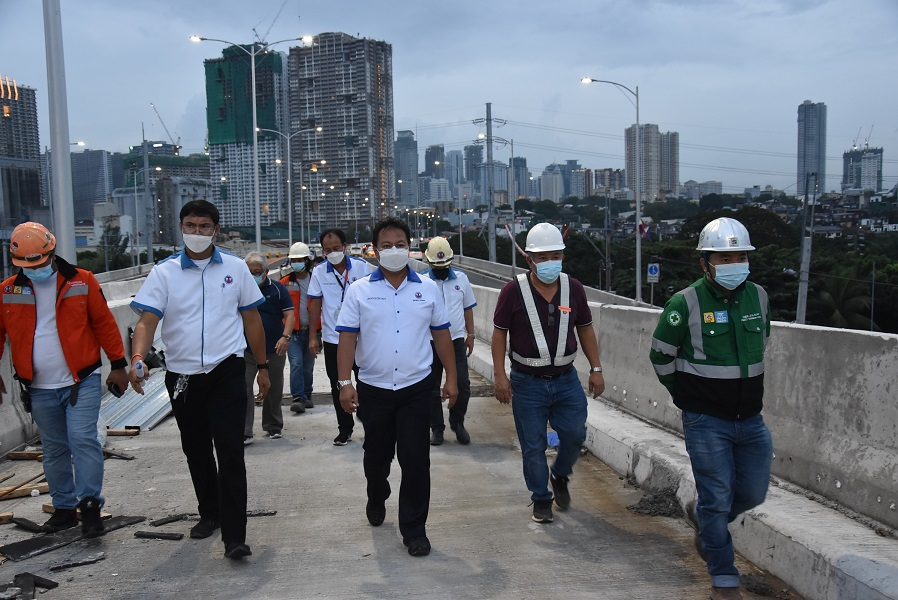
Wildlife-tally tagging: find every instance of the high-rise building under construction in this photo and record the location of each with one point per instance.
(345, 172)
(20, 198)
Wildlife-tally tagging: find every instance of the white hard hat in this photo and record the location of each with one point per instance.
(724, 235)
(438, 252)
(299, 250)
(544, 237)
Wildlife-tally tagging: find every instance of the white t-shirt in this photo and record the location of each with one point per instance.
(50, 369)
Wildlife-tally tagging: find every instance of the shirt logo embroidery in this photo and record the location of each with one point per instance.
(708, 317)
(674, 318)
(722, 316)
(8, 289)
(418, 295)
(228, 279)
(458, 288)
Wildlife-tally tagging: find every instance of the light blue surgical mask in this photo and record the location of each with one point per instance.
(298, 267)
(731, 276)
(259, 279)
(548, 271)
(40, 273)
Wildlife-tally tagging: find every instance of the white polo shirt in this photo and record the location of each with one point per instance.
(200, 304)
(393, 350)
(458, 297)
(331, 287)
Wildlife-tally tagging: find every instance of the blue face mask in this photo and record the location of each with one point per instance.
(731, 276)
(259, 279)
(298, 267)
(40, 273)
(548, 271)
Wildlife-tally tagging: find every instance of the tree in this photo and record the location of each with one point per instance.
(710, 202)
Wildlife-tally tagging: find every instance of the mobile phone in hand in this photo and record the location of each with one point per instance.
(114, 389)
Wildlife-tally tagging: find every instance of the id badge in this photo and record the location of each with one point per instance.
(337, 312)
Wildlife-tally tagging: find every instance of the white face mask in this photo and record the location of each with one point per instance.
(394, 259)
(197, 243)
(335, 258)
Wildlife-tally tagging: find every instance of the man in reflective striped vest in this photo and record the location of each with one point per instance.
(708, 351)
(537, 316)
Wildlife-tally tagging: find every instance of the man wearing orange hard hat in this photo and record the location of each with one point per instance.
(57, 320)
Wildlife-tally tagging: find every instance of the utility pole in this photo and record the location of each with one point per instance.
(607, 244)
(151, 209)
(805, 250)
(491, 217)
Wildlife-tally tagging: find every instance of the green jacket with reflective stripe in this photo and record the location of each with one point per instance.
(708, 349)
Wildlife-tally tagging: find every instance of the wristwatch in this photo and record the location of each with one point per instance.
(595, 370)
(343, 383)
(262, 366)
(286, 337)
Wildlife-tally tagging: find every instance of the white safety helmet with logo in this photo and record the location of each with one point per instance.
(544, 237)
(723, 235)
(439, 253)
(299, 250)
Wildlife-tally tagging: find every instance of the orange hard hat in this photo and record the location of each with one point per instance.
(30, 243)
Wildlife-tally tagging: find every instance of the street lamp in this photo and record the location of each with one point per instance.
(289, 137)
(638, 198)
(260, 47)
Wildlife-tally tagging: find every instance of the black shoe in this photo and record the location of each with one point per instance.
(275, 434)
(693, 522)
(308, 403)
(63, 518)
(562, 495)
(237, 550)
(461, 434)
(436, 437)
(91, 521)
(204, 528)
(298, 406)
(419, 546)
(342, 438)
(542, 511)
(376, 513)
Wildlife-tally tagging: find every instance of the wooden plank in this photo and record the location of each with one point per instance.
(25, 490)
(125, 431)
(5, 517)
(21, 455)
(48, 507)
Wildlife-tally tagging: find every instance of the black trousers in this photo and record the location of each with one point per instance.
(345, 422)
(460, 408)
(211, 413)
(397, 422)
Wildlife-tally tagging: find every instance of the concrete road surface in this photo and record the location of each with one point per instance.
(320, 545)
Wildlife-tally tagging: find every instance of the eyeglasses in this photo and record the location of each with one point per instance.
(551, 321)
(192, 228)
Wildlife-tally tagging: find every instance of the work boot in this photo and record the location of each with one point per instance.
(91, 521)
(562, 495)
(436, 437)
(725, 593)
(237, 550)
(62, 518)
(461, 434)
(298, 406)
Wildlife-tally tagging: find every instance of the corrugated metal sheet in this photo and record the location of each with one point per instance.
(135, 410)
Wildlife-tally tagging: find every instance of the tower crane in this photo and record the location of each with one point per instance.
(177, 144)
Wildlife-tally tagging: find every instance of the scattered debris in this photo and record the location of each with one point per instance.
(113, 454)
(41, 582)
(28, 525)
(14, 491)
(88, 560)
(261, 513)
(5, 518)
(51, 541)
(662, 504)
(6, 477)
(169, 519)
(756, 583)
(33, 455)
(159, 535)
(128, 430)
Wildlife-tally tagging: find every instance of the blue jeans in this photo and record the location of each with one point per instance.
(69, 438)
(535, 403)
(731, 465)
(302, 363)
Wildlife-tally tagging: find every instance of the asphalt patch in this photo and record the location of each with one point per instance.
(663, 504)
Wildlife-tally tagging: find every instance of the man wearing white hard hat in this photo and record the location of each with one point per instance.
(708, 351)
(458, 296)
(539, 317)
(302, 362)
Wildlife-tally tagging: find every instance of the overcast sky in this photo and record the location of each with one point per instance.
(728, 75)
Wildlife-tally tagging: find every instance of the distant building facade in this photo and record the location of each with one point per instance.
(862, 169)
(406, 150)
(811, 144)
(20, 160)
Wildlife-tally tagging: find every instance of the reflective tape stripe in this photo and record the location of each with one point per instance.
(565, 316)
(77, 290)
(18, 298)
(717, 371)
(538, 362)
(539, 336)
(664, 347)
(694, 317)
(762, 300)
(667, 369)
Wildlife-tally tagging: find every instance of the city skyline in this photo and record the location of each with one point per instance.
(730, 89)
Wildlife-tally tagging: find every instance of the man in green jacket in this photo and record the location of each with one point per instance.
(708, 351)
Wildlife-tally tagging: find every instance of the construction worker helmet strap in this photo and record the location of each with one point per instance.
(30, 243)
(544, 237)
(724, 235)
(439, 252)
(299, 250)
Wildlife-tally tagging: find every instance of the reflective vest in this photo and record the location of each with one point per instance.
(558, 358)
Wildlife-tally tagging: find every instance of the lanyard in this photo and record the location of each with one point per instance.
(343, 283)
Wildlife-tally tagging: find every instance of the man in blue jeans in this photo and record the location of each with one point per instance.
(708, 351)
(302, 362)
(537, 314)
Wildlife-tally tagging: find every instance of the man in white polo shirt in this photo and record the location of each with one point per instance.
(327, 290)
(208, 298)
(386, 325)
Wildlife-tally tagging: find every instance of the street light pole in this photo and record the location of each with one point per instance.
(635, 95)
(263, 47)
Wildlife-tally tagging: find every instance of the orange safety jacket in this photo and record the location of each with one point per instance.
(83, 320)
(296, 295)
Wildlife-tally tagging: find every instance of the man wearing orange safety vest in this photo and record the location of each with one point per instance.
(57, 320)
(302, 362)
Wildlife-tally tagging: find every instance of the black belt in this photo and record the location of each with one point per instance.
(544, 377)
(306, 328)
